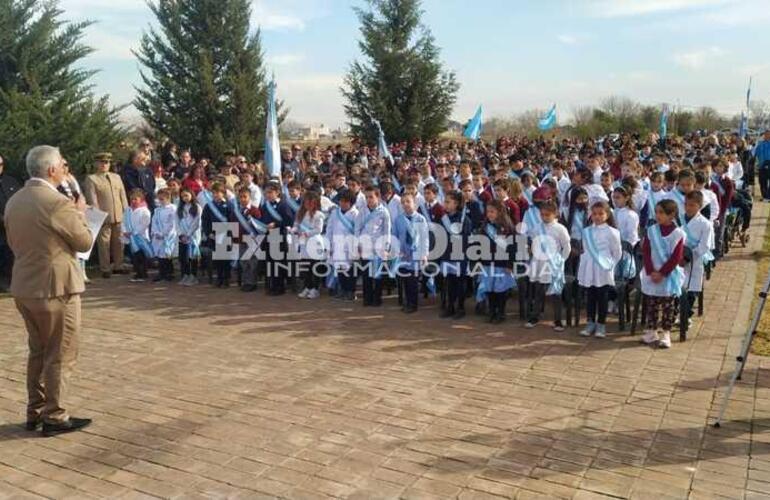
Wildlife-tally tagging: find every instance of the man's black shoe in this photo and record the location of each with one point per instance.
(460, 314)
(106, 275)
(32, 425)
(71, 425)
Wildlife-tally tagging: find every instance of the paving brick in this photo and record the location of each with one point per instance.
(204, 393)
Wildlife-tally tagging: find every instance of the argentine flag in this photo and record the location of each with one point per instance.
(272, 143)
(549, 120)
(473, 130)
(382, 144)
(664, 122)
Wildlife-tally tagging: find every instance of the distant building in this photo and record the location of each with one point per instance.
(313, 133)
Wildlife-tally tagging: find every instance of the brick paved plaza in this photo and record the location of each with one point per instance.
(199, 393)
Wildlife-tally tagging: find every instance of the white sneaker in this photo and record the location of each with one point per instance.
(601, 331)
(558, 328)
(665, 340)
(588, 330)
(185, 280)
(650, 337)
(313, 294)
(529, 325)
(192, 281)
(303, 294)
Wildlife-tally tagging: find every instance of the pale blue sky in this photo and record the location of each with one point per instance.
(509, 55)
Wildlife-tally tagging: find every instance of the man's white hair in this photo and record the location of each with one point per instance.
(40, 159)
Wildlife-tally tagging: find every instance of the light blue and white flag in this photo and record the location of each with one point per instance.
(382, 144)
(549, 120)
(473, 130)
(664, 122)
(744, 128)
(272, 143)
(748, 94)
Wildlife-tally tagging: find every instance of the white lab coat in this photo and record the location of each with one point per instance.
(343, 247)
(165, 239)
(540, 269)
(607, 241)
(701, 231)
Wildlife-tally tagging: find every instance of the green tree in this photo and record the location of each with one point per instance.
(204, 79)
(402, 83)
(44, 97)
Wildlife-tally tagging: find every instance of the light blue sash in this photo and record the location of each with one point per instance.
(370, 217)
(675, 279)
(692, 244)
(273, 212)
(578, 218)
(409, 224)
(348, 224)
(448, 223)
(532, 217)
(679, 199)
(293, 204)
(603, 261)
(137, 242)
(241, 218)
(555, 263)
(213, 207)
(396, 184)
(193, 249)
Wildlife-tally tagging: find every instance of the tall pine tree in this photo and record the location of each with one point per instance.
(402, 83)
(44, 97)
(204, 80)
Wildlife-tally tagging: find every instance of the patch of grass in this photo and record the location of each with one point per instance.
(761, 343)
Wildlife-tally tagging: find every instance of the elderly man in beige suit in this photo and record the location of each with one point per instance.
(104, 190)
(45, 230)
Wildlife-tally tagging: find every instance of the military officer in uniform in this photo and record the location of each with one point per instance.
(105, 191)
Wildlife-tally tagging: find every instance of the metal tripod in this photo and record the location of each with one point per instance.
(745, 348)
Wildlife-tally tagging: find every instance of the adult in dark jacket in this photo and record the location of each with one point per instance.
(136, 175)
(8, 186)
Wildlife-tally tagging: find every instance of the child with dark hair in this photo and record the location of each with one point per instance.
(188, 215)
(601, 252)
(662, 278)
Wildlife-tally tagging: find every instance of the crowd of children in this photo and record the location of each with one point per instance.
(549, 220)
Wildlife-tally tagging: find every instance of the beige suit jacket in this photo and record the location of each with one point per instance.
(106, 192)
(45, 231)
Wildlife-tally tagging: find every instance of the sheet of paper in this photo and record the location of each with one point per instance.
(95, 219)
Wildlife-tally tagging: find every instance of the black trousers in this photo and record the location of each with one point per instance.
(410, 285)
(166, 268)
(347, 281)
(139, 262)
(6, 263)
(372, 285)
(537, 298)
(455, 293)
(596, 303)
(311, 279)
(188, 266)
(764, 182)
(276, 276)
(222, 269)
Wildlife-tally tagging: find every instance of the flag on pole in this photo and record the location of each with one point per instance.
(744, 128)
(272, 142)
(664, 122)
(382, 144)
(473, 130)
(748, 94)
(549, 120)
